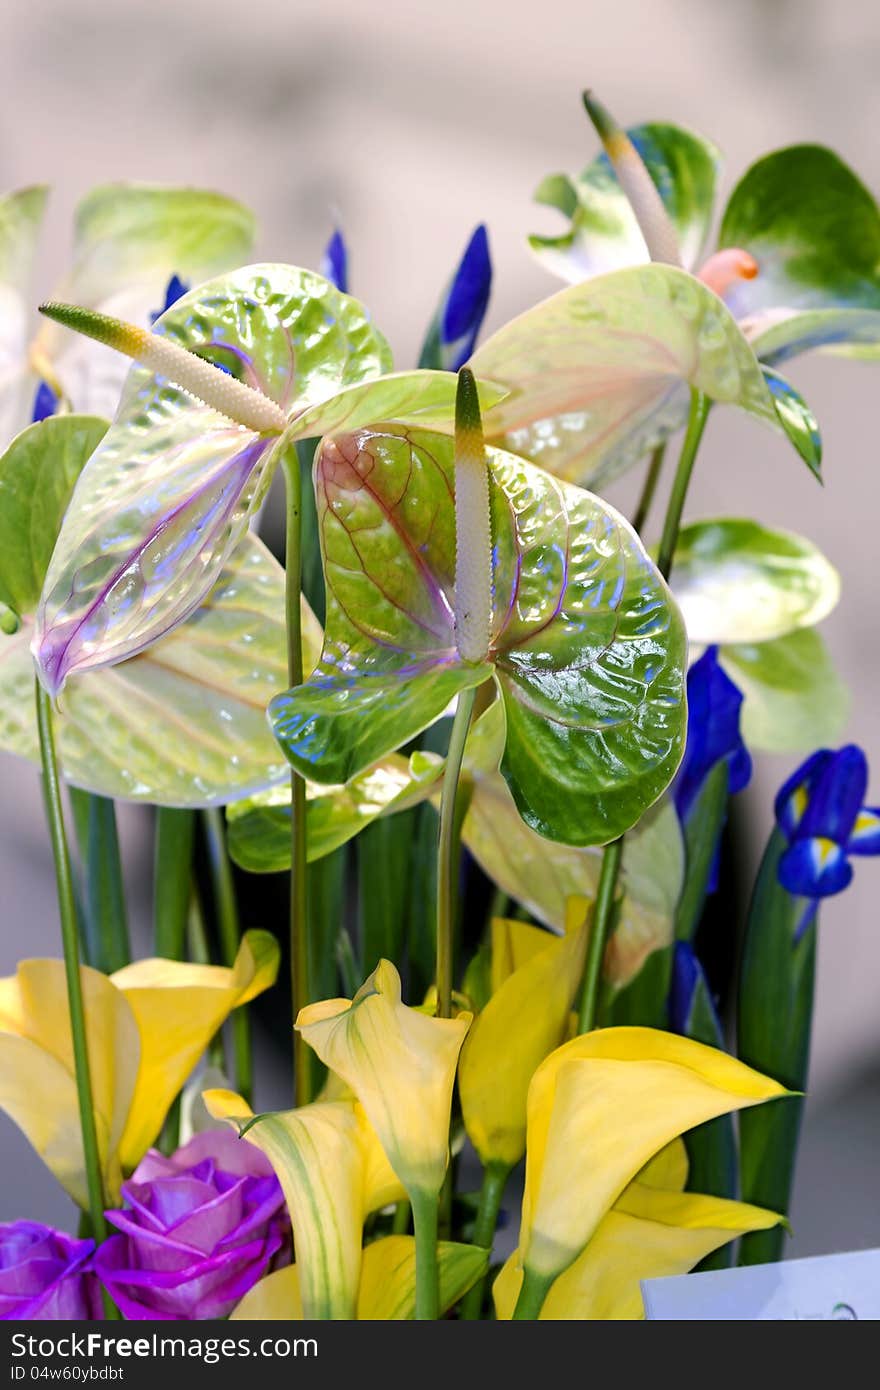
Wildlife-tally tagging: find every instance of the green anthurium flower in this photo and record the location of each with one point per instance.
(797, 258)
(171, 490)
(132, 243)
(182, 724)
(585, 642)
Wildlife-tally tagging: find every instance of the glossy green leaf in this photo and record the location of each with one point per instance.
(597, 373)
(794, 699)
(170, 491)
(737, 581)
(129, 240)
(37, 476)
(814, 230)
(21, 215)
(845, 332)
(797, 419)
(604, 234)
(259, 827)
(774, 1021)
(586, 644)
(542, 875)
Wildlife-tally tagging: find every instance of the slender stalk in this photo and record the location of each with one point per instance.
(535, 1288)
(697, 417)
(299, 954)
(424, 1209)
(401, 1219)
(649, 488)
(448, 852)
(495, 1177)
(106, 943)
(199, 951)
(70, 945)
(229, 926)
(172, 874)
(601, 917)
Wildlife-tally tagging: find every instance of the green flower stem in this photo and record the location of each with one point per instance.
(299, 949)
(535, 1288)
(697, 417)
(70, 944)
(226, 908)
(106, 944)
(424, 1209)
(649, 488)
(175, 835)
(448, 852)
(495, 1177)
(400, 1221)
(600, 929)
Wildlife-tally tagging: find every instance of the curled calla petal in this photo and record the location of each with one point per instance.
(401, 1066)
(170, 491)
(525, 1019)
(586, 644)
(178, 1008)
(619, 1094)
(317, 1156)
(649, 1234)
(596, 375)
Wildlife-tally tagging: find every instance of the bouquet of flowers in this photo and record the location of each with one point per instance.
(486, 726)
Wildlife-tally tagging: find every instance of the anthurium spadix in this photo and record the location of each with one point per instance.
(146, 1026)
(585, 642)
(241, 368)
(183, 723)
(620, 1095)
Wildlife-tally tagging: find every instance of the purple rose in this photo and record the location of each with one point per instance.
(46, 1274)
(200, 1229)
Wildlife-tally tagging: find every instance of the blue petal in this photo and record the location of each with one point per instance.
(467, 299)
(793, 795)
(714, 704)
(174, 290)
(836, 797)
(865, 838)
(685, 975)
(45, 402)
(815, 868)
(334, 262)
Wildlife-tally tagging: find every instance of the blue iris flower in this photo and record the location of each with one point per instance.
(714, 705)
(464, 308)
(687, 973)
(334, 262)
(45, 402)
(821, 812)
(173, 291)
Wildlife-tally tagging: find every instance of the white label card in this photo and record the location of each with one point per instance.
(820, 1289)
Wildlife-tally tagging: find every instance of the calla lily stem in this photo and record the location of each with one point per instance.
(424, 1209)
(535, 1288)
(106, 944)
(448, 852)
(299, 953)
(495, 1177)
(175, 834)
(70, 946)
(226, 908)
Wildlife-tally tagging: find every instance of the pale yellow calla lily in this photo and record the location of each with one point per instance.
(146, 1028)
(401, 1066)
(599, 1109)
(649, 1234)
(387, 1290)
(535, 977)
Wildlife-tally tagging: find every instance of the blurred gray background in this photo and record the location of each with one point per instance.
(411, 122)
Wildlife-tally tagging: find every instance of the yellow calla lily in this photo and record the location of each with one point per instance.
(401, 1064)
(599, 1108)
(649, 1233)
(387, 1291)
(146, 1027)
(535, 977)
